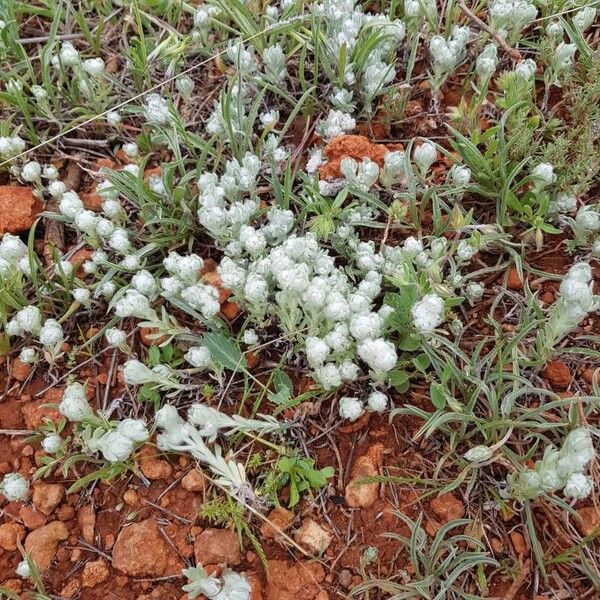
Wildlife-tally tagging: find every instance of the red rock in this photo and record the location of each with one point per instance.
(142, 551)
(42, 543)
(71, 589)
(447, 507)
(313, 537)
(217, 547)
(146, 336)
(513, 281)
(587, 520)
(91, 201)
(31, 518)
(131, 498)
(278, 520)
(519, 543)
(10, 534)
(558, 374)
(153, 467)
(47, 496)
(293, 580)
(20, 370)
(65, 513)
(94, 573)
(193, 481)
(35, 413)
(87, 523)
(19, 208)
(591, 375)
(366, 494)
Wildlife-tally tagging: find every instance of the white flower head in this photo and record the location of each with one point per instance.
(351, 408)
(377, 401)
(379, 354)
(134, 429)
(14, 487)
(74, 404)
(428, 313)
(94, 66)
(52, 443)
(156, 110)
(578, 486)
(51, 333)
(115, 447)
(199, 357)
(424, 156)
(23, 570)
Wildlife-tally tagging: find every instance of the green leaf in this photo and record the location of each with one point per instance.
(224, 352)
(153, 356)
(284, 387)
(438, 398)
(399, 379)
(409, 343)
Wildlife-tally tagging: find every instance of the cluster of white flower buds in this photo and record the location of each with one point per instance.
(14, 487)
(562, 469)
(351, 408)
(576, 301)
(115, 440)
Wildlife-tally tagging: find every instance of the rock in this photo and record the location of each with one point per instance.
(87, 523)
(91, 201)
(10, 535)
(20, 370)
(148, 336)
(256, 591)
(65, 513)
(47, 496)
(313, 537)
(447, 507)
(42, 543)
(71, 589)
(293, 580)
(519, 543)
(193, 481)
(19, 208)
(558, 374)
(366, 494)
(35, 412)
(588, 520)
(31, 518)
(591, 375)
(278, 520)
(142, 551)
(131, 498)
(513, 281)
(94, 573)
(153, 467)
(217, 547)
(12, 585)
(350, 146)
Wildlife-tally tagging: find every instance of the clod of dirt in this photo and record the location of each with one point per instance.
(43, 543)
(350, 146)
(47, 496)
(591, 375)
(588, 520)
(91, 201)
(217, 547)
(35, 412)
(10, 534)
(292, 580)
(558, 374)
(142, 551)
(86, 519)
(256, 591)
(365, 495)
(193, 481)
(95, 573)
(20, 370)
(153, 467)
(313, 537)
(447, 507)
(71, 589)
(513, 281)
(31, 518)
(519, 543)
(19, 208)
(278, 520)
